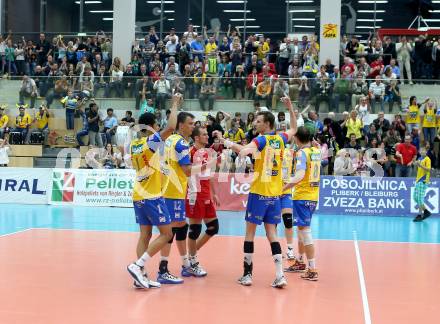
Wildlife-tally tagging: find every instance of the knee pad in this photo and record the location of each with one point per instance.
(212, 227)
(307, 236)
(194, 231)
(288, 220)
(275, 247)
(181, 232)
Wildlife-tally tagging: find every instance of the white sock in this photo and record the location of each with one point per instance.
(163, 258)
(290, 246)
(312, 264)
(278, 259)
(193, 259)
(185, 261)
(143, 259)
(248, 258)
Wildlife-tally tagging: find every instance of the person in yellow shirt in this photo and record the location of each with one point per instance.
(178, 169)
(235, 134)
(264, 92)
(41, 120)
(22, 123)
(306, 195)
(413, 114)
(4, 119)
(263, 204)
(262, 48)
(423, 165)
(429, 123)
(354, 125)
(149, 206)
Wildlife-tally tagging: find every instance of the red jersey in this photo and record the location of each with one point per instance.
(201, 180)
(408, 152)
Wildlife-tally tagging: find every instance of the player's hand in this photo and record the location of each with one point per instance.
(216, 200)
(286, 101)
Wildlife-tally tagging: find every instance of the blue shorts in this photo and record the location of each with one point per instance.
(303, 211)
(151, 212)
(263, 209)
(286, 201)
(176, 208)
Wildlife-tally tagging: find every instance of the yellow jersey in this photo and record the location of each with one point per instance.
(210, 48)
(354, 127)
(309, 160)
(4, 120)
(262, 50)
(429, 119)
(413, 115)
(236, 137)
(42, 120)
(23, 121)
(423, 175)
(268, 180)
(145, 157)
(287, 167)
(176, 156)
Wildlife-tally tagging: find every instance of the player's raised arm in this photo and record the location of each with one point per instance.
(172, 120)
(293, 125)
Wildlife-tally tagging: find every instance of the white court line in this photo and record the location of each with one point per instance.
(365, 305)
(17, 232)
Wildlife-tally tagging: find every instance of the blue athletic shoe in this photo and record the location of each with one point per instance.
(168, 279)
(186, 272)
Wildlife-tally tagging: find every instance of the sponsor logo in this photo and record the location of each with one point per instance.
(13, 185)
(431, 200)
(63, 186)
(239, 189)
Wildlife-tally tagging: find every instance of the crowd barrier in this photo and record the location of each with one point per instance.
(101, 187)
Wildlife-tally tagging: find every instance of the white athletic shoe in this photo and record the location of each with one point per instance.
(279, 282)
(245, 280)
(138, 275)
(197, 271)
(290, 255)
(151, 284)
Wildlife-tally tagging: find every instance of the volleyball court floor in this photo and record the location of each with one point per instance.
(68, 265)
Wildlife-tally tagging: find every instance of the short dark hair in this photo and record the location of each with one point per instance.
(182, 116)
(129, 112)
(167, 112)
(303, 135)
(268, 117)
(196, 131)
(147, 119)
(351, 134)
(110, 109)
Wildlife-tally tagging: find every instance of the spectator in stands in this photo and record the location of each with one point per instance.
(41, 120)
(413, 113)
(172, 73)
(406, 155)
(377, 93)
(237, 119)
(264, 92)
(4, 119)
(382, 124)
(238, 82)
(86, 80)
(280, 90)
(43, 49)
(343, 164)
(252, 83)
(110, 125)
(415, 138)
(163, 89)
(129, 80)
(235, 134)
(28, 89)
(178, 86)
(281, 123)
(399, 125)
(5, 148)
(198, 47)
(22, 124)
(116, 74)
(144, 88)
(198, 79)
(207, 93)
(85, 129)
(93, 120)
(222, 119)
(354, 125)
(359, 89)
(323, 88)
(376, 68)
(211, 126)
(391, 138)
(372, 134)
(429, 122)
(389, 50)
(404, 50)
(101, 81)
(342, 89)
(249, 122)
(128, 120)
(70, 103)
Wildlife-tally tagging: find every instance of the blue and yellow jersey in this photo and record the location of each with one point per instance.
(429, 119)
(4, 119)
(70, 103)
(176, 155)
(23, 121)
(413, 115)
(145, 157)
(42, 120)
(309, 160)
(268, 180)
(423, 175)
(287, 167)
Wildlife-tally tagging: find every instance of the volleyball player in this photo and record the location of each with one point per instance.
(267, 186)
(178, 166)
(201, 199)
(305, 195)
(149, 206)
(423, 165)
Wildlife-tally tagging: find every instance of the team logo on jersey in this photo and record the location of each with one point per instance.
(275, 144)
(137, 149)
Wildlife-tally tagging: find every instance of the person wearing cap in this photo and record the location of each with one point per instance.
(41, 120)
(4, 119)
(28, 89)
(22, 123)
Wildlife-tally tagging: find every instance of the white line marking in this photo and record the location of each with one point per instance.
(17, 232)
(366, 307)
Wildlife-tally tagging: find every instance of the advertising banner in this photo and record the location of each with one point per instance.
(25, 186)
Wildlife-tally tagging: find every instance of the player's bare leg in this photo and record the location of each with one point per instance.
(271, 234)
(248, 249)
(306, 237)
(288, 232)
(297, 264)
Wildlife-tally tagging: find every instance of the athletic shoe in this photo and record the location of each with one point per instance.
(279, 282)
(296, 266)
(167, 278)
(197, 271)
(186, 272)
(138, 275)
(310, 274)
(245, 280)
(418, 218)
(151, 284)
(290, 255)
(426, 214)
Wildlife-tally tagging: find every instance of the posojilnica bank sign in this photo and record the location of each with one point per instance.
(330, 31)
